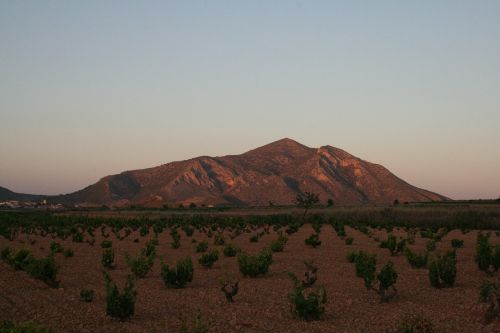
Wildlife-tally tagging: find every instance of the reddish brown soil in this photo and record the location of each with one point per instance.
(261, 305)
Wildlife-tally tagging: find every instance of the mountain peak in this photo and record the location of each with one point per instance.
(285, 145)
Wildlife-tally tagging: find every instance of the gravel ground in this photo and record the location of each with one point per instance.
(261, 304)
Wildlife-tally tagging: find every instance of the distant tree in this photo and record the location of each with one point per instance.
(329, 202)
(396, 202)
(192, 205)
(181, 206)
(307, 200)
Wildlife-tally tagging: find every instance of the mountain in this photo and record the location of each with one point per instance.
(6, 194)
(276, 172)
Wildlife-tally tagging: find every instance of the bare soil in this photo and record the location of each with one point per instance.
(261, 304)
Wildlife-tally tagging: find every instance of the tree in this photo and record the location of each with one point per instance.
(329, 202)
(307, 200)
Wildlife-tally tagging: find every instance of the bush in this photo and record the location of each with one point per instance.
(415, 260)
(307, 305)
(490, 293)
(351, 256)
(106, 244)
(8, 326)
(197, 325)
(349, 240)
(219, 239)
(393, 245)
(254, 238)
(202, 247)
(108, 258)
(120, 305)
(443, 270)
(431, 245)
(86, 295)
(230, 250)
(457, 243)
(487, 256)
(44, 269)
(149, 249)
(313, 241)
(140, 265)
(68, 253)
(366, 267)
(387, 278)
(176, 239)
(179, 276)
(255, 265)
(55, 247)
(278, 245)
(207, 260)
(415, 324)
(188, 230)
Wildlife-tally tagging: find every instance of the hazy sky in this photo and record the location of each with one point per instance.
(91, 88)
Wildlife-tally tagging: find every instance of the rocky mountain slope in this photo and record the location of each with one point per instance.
(276, 172)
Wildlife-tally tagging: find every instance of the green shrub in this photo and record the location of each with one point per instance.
(313, 240)
(351, 256)
(108, 258)
(68, 253)
(278, 245)
(490, 293)
(255, 265)
(202, 247)
(219, 239)
(149, 249)
(197, 325)
(8, 326)
(292, 228)
(179, 276)
(416, 260)
(86, 295)
(188, 230)
(208, 259)
(120, 305)
(44, 269)
(230, 250)
(457, 243)
(141, 265)
(484, 252)
(55, 247)
(415, 324)
(307, 305)
(410, 235)
(443, 270)
(393, 245)
(106, 244)
(387, 278)
(176, 239)
(349, 240)
(366, 267)
(254, 238)
(365, 264)
(431, 245)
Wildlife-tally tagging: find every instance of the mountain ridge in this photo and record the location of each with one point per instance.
(276, 172)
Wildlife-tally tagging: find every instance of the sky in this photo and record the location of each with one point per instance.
(92, 88)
